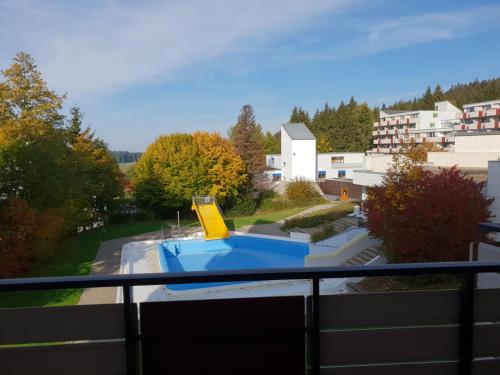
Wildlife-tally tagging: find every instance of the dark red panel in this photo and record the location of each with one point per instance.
(230, 336)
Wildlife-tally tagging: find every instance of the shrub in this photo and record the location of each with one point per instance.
(242, 205)
(302, 191)
(424, 216)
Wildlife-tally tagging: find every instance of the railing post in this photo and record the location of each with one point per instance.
(315, 339)
(467, 324)
(130, 331)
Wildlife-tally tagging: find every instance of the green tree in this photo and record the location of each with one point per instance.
(299, 116)
(272, 144)
(247, 138)
(177, 167)
(59, 175)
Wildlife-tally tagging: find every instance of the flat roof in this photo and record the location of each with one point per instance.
(470, 134)
(482, 103)
(298, 131)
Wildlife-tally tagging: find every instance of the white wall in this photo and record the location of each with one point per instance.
(477, 143)
(367, 178)
(378, 162)
(274, 161)
(493, 188)
(462, 159)
(352, 161)
(303, 164)
(286, 155)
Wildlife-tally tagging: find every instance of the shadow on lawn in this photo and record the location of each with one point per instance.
(231, 225)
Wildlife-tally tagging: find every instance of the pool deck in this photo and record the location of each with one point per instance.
(141, 257)
(108, 257)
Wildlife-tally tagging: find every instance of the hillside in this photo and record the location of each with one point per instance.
(459, 94)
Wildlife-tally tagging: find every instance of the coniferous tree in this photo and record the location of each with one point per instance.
(300, 116)
(247, 138)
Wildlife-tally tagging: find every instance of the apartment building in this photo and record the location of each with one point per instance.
(479, 117)
(397, 127)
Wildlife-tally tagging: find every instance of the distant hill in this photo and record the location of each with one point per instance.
(126, 156)
(459, 94)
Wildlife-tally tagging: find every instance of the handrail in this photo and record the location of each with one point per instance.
(66, 282)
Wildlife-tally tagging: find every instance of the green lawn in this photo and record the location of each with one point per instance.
(77, 254)
(262, 218)
(74, 259)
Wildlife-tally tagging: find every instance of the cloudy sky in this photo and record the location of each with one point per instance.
(142, 68)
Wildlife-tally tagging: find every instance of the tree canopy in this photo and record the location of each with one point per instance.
(459, 94)
(54, 179)
(247, 138)
(424, 216)
(178, 166)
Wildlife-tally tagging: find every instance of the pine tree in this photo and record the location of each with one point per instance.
(300, 116)
(247, 138)
(438, 93)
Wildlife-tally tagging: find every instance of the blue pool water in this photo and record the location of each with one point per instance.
(236, 252)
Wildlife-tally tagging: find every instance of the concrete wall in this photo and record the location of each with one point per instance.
(462, 159)
(493, 188)
(477, 143)
(304, 159)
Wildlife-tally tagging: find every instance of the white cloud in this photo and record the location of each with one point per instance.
(103, 46)
(407, 31)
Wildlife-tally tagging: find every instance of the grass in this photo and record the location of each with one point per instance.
(337, 210)
(74, 258)
(262, 218)
(126, 167)
(77, 254)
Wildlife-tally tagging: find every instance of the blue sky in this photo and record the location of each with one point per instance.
(141, 69)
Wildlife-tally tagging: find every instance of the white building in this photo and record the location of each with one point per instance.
(483, 116)
(397, 127)
(298, 152)
(339, 164)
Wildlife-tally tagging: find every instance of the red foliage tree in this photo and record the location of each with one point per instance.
(26, 235)
(426, 216)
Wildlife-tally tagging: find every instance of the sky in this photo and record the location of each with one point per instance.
(139, 69)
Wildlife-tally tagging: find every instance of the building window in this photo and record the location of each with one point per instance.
(435, 115)
(341, 173)
(321, 174)
(276, 176)
(337, 159)
(432, 125)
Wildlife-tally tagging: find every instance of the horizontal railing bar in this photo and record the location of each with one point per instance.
(95, 281)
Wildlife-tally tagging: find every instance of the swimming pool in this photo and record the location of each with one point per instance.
(236, 252)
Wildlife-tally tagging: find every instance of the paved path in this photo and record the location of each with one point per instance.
(107, 261)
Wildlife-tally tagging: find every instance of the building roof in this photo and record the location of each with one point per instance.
(479, 104)
(298, 131)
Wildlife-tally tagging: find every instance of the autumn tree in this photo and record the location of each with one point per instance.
(247, 138)
(177, 167)
(56, 175)
(323, 144)
(424, 216)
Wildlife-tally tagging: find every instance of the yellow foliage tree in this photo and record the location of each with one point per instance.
(178, 166)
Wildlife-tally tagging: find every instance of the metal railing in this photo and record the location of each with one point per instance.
(469, 270)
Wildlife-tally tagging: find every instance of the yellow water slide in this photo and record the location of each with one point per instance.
(210, 217)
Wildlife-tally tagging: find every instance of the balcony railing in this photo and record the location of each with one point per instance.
(400, 332)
